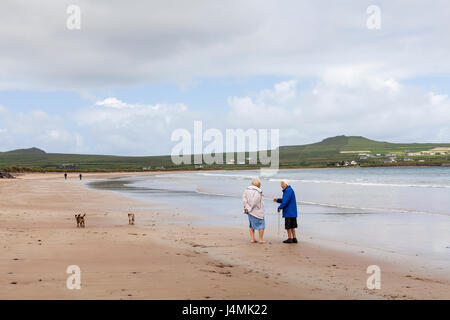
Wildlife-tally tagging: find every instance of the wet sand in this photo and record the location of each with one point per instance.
(162, 258)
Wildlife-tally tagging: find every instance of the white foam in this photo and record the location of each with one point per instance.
(375, 184)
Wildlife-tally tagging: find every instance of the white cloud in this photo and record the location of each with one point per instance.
(110, 126)
(359, 74)
(368, 105)
(113, 126)
(123, 44)
(37, 129)
(360, 104)
(113, 103)
(437, 99)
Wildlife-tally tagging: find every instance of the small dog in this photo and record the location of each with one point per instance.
(131, 218)
(80, 220)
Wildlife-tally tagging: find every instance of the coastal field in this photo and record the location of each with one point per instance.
(166, 255)
(326, 153)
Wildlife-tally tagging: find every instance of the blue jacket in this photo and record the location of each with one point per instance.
(288, 203)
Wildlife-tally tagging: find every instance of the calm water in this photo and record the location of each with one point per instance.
(403, 210)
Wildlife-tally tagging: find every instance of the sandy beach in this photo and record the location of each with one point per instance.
(162, 258)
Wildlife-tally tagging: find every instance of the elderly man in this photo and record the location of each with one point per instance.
(289, 206)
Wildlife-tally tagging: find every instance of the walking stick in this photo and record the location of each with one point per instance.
(279, 221)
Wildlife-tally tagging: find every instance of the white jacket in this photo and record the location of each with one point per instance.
(253, 200)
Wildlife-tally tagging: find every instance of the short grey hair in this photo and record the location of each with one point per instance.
(285, 181)
(256, 181)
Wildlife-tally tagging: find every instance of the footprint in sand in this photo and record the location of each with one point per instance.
(221, 265)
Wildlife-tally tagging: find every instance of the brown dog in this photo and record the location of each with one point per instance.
(80, 220)
(131, 218)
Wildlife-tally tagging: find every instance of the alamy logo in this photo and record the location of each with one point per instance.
(207, 147)
(374, 20)
(74, 280)
(74, 20)
(374, 281)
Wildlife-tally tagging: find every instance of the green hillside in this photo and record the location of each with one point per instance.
(31, 158)
(328, 152)
(21, 152)
(338, 149)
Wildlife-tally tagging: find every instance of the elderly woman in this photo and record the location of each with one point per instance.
(253, 201)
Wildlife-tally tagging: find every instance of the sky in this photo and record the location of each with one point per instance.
(135, 71)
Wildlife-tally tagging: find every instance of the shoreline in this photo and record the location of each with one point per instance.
(159, 258)
(18, 173)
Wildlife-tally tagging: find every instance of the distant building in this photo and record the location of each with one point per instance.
(389, 160)
(67, 166)
(147, 168)
(435, 151)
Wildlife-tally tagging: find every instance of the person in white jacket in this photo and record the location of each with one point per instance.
(253, 200)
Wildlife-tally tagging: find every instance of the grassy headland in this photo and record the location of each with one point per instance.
(331, 152)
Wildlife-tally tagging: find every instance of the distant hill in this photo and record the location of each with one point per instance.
(342, 148)
(29, 151)
(325, 153)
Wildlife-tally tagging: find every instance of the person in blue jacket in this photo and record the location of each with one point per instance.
(289, 206)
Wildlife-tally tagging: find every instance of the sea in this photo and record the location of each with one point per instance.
(403, 210)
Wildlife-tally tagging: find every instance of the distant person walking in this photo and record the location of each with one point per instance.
(253, 200)
(289, 206)
(65, 176)
(81, 177)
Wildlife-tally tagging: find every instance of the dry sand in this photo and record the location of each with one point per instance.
(161, 258)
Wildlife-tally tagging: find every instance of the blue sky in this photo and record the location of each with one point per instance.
(201, 94)
(131, 75)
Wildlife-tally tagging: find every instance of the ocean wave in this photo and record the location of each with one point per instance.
(342, 206)
(375, 184)
(359, 182)
(241, 176)
(333, 205)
